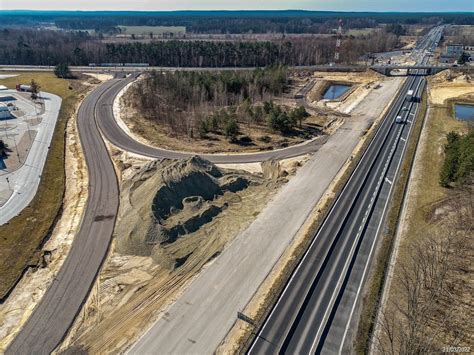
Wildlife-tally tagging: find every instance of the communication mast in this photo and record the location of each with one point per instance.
(338, 41)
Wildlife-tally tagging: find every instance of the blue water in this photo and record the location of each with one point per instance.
(335, 91)
(464, 112)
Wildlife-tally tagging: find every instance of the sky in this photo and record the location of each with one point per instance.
(150, 5)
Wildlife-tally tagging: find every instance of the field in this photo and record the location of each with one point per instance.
(21, 238)
(156, 30)
(357, 32)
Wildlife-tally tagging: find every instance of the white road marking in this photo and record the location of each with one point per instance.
(371, 250)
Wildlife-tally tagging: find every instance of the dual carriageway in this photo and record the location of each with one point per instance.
(316, 311)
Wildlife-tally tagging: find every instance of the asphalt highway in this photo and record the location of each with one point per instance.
(315, 312)
(54, 315)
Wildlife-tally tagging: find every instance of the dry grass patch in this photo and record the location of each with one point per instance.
(431, 238)
(22, 237)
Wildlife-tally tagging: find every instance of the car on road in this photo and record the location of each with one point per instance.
(399, 119)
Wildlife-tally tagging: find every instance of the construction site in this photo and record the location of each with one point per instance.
(203, 223)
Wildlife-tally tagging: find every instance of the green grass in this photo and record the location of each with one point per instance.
(22, 237)
(156, 30)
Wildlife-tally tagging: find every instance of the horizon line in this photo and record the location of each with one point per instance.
(241, 10)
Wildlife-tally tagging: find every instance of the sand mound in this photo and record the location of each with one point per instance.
(451, 76)
(165, 200)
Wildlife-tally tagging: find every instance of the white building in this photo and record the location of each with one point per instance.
(4, 112)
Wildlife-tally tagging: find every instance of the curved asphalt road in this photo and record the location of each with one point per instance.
(114, 133)
(54, 315)
(52, 318)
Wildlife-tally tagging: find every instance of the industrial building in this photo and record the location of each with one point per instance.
(454, 50)
(453, 53)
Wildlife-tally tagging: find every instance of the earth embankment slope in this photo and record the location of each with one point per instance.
(166, 200)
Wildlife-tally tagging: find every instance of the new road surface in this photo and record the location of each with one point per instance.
(58, 308)
(52, 318)
(54, 315)
(315, 312)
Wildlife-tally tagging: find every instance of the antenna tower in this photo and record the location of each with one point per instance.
(338, 41)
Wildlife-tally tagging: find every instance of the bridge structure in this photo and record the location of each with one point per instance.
(397, 70)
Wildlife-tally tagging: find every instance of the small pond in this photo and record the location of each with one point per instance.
(464, 112)
(335, 91)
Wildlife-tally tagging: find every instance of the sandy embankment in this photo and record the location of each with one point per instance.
(26, 295)
(448, 84)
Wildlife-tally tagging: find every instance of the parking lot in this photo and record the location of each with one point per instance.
(27, 133)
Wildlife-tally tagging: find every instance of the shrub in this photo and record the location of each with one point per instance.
(231, 129)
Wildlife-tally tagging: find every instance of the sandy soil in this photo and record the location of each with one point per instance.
(100, 77)
(19, 305)
(132, 290)
(158, 135)
(26, 295)
(448, 84)
(289, 165)
(362, 84)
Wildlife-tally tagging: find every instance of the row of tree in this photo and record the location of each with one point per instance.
(227, 121)
(258, 22)
(458, 166)
(45, 47)
(291, 21)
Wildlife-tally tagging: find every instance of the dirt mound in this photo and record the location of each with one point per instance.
(451, 76)
(166, 200)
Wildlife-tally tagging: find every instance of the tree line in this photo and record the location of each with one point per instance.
(46, 47)
(458, 166)
(222, 22)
